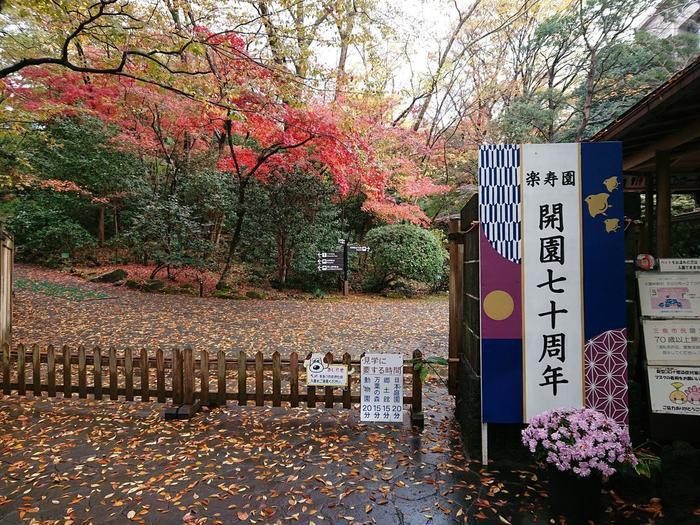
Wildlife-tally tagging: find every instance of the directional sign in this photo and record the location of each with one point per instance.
(330, 262)
(329, 255)
(329, 268)
(356, 248)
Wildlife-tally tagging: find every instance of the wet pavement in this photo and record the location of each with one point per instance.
(77, 461)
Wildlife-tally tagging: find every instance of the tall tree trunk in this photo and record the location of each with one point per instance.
(345, 27)
(588, 100)
(101, 225)
(442, 60)
(236, 237)
(281, 259)
(116, 223)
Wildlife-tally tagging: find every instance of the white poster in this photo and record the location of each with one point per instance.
(668, 295)
(674, 390)
(382, 388)
(320, 373)
(679, 265)
(672, 341)
(551, 266)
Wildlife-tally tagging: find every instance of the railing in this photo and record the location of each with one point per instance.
(184, 379)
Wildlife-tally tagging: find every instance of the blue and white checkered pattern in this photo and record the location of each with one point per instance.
(499, 198)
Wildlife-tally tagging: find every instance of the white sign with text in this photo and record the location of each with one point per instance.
(320, 373)
(674, 390)
(672, 341)
(669, 295)
(382, 388)
(552, 298)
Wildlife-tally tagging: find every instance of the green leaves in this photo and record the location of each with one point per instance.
(647, 464)
(426, 365)
(404, 251)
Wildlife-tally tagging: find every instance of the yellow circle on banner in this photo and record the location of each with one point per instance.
(498, 305)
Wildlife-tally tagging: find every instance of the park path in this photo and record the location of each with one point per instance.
(69, 310)
(73, 461)
(82, 461)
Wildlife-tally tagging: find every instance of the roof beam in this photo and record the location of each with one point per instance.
(680, 137)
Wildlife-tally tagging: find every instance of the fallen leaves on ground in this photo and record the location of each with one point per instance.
(132, 318)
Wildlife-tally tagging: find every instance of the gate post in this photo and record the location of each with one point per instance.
(187, 376)
(456, 302)
(184, 404)
(416, 391)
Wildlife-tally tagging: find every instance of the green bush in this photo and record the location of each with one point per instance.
(46, 234)
(403, 252)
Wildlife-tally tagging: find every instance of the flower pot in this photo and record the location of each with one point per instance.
(576, 498)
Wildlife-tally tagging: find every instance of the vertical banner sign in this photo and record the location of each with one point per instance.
(551, 277)
(382, 388)
(552, 280)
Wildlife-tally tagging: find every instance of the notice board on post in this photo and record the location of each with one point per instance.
(670, 307)
(553, 314)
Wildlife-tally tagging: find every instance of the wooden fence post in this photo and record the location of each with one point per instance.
(456, 299)
(417, 392)
(347, 393)
(177, 376)
(36, 372)
(113, 392)
(128, 374)
(21, 378)
(259, 380)
(160, 375)
(294, 379)
(97, 371)
(329, 389)
(204, 377)
(221, 378)
(242, 379)
(145, 376)
(310, 394)
(276, 380)
(187, 376)
(82, 373)
(51, 366)
(6, 383)
(67, 390)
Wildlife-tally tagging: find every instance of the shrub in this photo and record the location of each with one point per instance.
(403, 252)
(45, 234)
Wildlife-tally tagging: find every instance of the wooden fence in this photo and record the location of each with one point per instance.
(6, 268)
(183, 379)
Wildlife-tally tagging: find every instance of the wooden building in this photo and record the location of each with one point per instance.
(660, 137)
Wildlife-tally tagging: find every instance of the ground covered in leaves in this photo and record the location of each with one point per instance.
(77, 461)
(53, 307)
(113, 462)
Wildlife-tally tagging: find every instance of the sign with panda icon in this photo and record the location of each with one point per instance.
(320, 373)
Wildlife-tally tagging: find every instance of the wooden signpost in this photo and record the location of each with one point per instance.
(338, 261)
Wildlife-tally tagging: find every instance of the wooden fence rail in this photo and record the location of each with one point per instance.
(183, 379)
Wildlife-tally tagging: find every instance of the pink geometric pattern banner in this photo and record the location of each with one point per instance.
(606, 374)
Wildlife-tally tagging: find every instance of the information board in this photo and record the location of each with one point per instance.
(672, 341)
(674, 390)
(381, 377)
(666, 295)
